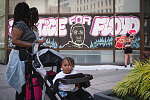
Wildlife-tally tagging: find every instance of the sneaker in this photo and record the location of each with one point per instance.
(131, 65)
(125, 66)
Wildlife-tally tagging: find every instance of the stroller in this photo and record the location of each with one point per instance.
(46, 63)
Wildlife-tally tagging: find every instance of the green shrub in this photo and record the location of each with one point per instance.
(136, 83)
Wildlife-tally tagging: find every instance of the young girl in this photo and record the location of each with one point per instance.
(70, 91)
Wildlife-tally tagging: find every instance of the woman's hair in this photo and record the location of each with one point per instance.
(127, 35)
(70, 60)
(34, 15)
(22, 12)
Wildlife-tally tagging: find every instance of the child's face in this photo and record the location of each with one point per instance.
(67, 68)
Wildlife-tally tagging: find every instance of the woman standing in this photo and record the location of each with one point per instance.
(127, 49)
(22, 37)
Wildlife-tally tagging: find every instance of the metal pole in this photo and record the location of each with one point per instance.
(114, 32)
(58, 26)
(141, 30)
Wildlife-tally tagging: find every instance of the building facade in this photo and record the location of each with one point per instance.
(102, 25)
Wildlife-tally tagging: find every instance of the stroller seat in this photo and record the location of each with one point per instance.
(47, 58)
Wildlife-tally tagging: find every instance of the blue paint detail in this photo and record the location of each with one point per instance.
(51, 44)
(136, 43)
(102, 41)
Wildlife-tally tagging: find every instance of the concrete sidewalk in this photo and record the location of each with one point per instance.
(102, 80)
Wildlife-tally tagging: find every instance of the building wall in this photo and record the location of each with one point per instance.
(2, 30)
(94, 9)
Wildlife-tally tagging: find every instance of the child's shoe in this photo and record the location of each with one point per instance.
(131, 65)
(125, 66)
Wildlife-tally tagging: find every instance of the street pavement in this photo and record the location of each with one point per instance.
(103, 79)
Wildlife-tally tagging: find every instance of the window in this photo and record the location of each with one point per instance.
(43, 6)
(94, 5)
(110, 2)
(102, 4)
(106, 2)
(127, 5)
(101, 11)
(91, 6)
(77, 9)
(66, 4)
(110, 10)
(106, 10)
(77, 2)
(80, 8)
(98, 4)
(80, 1)
(87, 7)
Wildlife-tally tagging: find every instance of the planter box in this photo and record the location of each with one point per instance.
(105, 95)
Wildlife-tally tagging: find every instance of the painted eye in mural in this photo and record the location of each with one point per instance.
(75, 32)
(81, 31)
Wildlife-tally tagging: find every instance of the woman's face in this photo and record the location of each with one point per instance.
(67, 68)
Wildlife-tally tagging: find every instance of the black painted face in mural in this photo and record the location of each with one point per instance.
(77, 34)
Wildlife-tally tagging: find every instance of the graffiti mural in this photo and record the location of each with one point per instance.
(85, 31)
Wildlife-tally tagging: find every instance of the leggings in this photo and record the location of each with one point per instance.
(22, 95)
(79, 95)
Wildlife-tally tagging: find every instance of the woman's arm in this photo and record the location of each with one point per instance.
(133, 35)
(122, 47)
(16, 36)
(131, 39)
(123, 44)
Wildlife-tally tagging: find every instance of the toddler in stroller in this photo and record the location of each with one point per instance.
(67, 84)
(70, 91)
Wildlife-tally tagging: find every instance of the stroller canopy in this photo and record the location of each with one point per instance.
(46, 58)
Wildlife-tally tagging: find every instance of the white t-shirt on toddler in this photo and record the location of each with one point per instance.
(63, 87)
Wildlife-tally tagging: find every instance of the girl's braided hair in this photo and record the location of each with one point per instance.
(70, 60)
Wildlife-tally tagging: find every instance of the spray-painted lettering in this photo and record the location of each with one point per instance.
(104, 25)
(101, 25)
